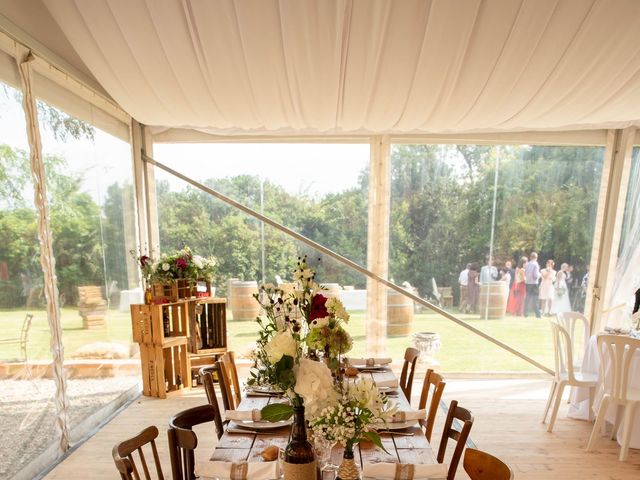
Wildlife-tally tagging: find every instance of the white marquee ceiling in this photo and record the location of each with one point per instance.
(362, 66)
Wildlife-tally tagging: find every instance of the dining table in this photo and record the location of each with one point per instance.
(579, 397)
(408, 445)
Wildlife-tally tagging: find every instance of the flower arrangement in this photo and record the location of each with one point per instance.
(181, 264)
(359, 411)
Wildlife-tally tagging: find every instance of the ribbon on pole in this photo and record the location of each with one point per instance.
(47, 260)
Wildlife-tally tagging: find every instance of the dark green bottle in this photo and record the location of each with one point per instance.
(299, 457)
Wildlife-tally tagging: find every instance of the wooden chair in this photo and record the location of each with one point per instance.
(225, 386)
(207, 379)
(229, 362)
(435, 379)
(616, 355)
(23, 340)
(183, 441)
(123, 455)
(463, 415)
(408, 368)
(565, 374)
(480, 465)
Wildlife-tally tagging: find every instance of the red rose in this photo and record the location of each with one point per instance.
(143, 260)
(181, 263)
(318, 308)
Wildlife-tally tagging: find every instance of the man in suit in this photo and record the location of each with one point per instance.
(531, 279)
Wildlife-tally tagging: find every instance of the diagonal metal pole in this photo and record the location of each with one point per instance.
(345, 261)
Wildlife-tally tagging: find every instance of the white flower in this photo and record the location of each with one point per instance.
(198, 261)
(281, 344)
(335, 306)
(315, 385)
(166, 267)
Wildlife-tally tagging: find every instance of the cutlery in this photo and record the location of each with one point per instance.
(248, 431)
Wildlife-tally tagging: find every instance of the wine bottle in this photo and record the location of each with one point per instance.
(299, 457)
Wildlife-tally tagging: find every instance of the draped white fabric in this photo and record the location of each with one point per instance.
(363, 66)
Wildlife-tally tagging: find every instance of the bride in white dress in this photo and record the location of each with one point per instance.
(561, 302)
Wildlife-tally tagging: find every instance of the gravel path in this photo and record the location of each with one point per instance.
(27, 414)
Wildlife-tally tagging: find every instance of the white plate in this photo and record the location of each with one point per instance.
(248, 424)
(267, 389)
(399, 425)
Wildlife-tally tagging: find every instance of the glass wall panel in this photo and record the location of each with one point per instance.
(89, 180)
(318, 190)
(459, 205)
(27, 412)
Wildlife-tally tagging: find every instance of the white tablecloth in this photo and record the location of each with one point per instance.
(128, 297)
(579, 407)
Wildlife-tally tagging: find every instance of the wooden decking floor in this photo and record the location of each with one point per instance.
(507, 424)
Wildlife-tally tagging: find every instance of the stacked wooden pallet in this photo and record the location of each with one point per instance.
(92, 306)
(163, 334)
(208, 325)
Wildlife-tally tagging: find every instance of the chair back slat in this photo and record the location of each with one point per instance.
(616, 354)
(143, 462)
(435, 379)
(229, 361)
(210, 390)
(225, 386)
(183, 441)
(464, 415)
(408, 369)
(124, 460)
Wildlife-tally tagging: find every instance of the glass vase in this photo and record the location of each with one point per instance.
(299, 458)
(348, 469)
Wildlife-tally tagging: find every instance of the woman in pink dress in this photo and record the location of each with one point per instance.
(518, 290)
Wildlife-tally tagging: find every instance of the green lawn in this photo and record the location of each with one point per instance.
(462, 351)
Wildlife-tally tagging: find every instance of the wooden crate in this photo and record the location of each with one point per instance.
(171, 292)
(165, 368)
(92, 307)
(148, 321)
(209, 326)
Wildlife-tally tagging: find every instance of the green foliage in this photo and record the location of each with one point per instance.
(276, 412)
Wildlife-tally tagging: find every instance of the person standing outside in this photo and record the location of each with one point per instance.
(463, 281)
(531, 277)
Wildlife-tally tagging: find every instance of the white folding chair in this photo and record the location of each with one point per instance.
(616, 354)
(565, 373)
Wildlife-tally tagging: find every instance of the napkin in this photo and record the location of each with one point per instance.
(391, 383)
(405, 471)
(368, 362)
(238, 471)
(403, 416)
(254, 415)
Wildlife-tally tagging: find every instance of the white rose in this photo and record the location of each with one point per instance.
(166, 267)
(198, 261)
(282, 343)
(315, 385)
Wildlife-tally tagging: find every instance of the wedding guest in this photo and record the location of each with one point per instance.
(518, 292)
(489, 273)
(561, 302)
(473, 288)
(547, 278)
(636, 307)
(532, 275)
(570, 283)
(508, 265)
(463, 281)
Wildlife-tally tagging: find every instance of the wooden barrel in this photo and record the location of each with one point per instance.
(243, 305)
(399, 314)
(330, 290)
(493, 299)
